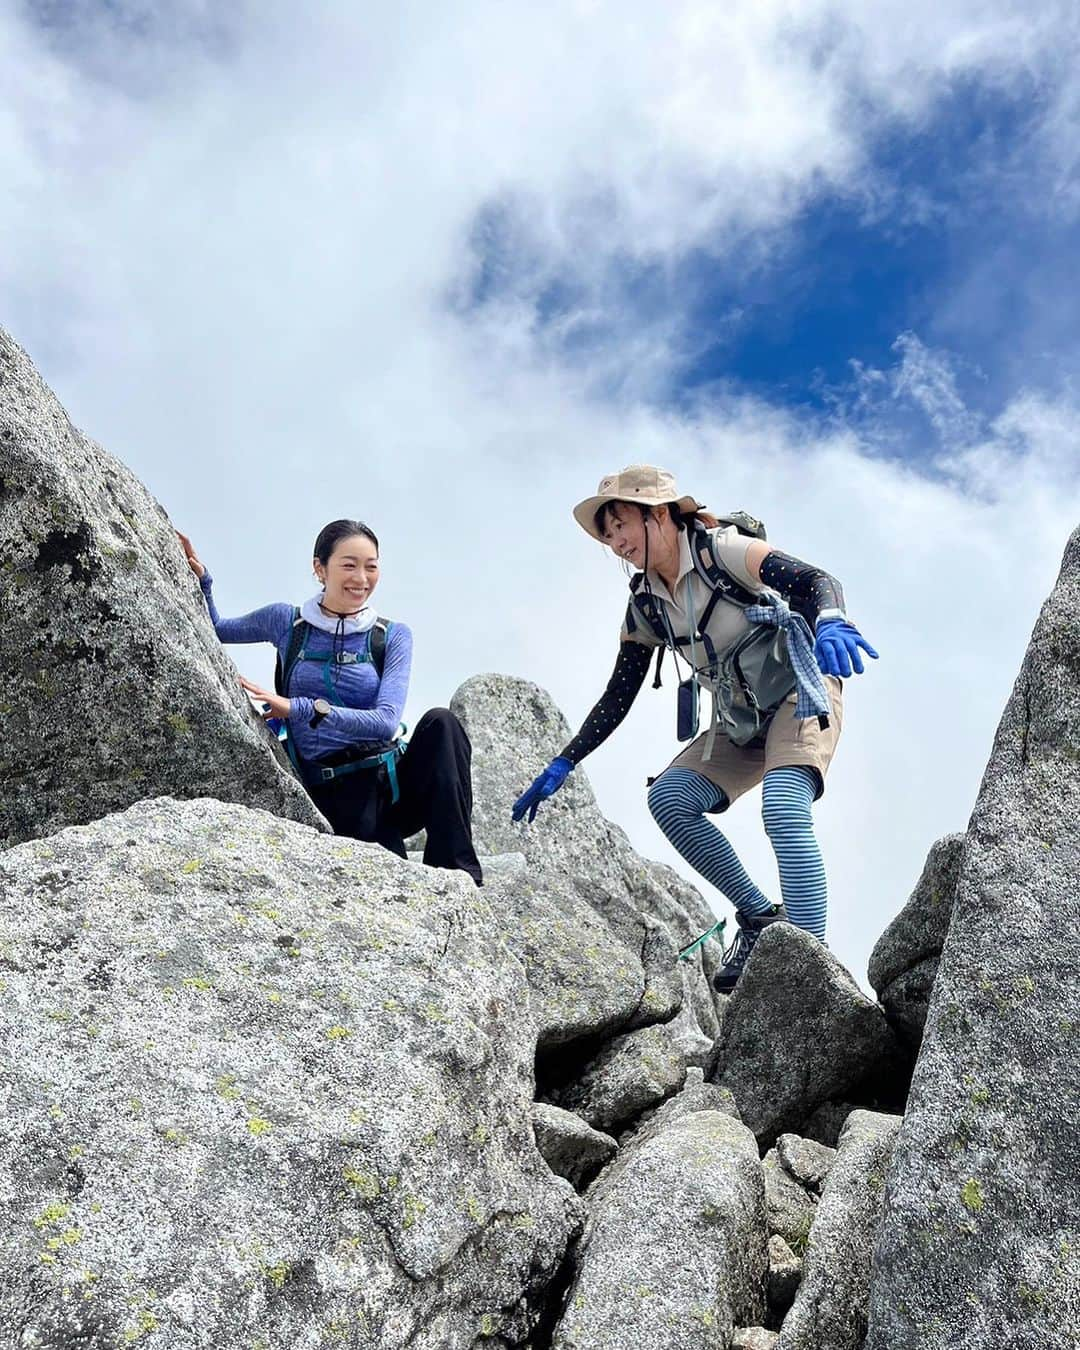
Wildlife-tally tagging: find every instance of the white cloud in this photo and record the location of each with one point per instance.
(235, 255)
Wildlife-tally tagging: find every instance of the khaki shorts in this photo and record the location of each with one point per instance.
(736, 769)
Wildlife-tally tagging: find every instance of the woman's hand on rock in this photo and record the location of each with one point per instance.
(192, 557)
(279, 707)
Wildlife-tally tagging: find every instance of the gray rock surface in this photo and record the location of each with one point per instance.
(694, 1044)
(799, 1031)
(830, 1307)
(785, 1272)
(904, 961)
(906, 999)
(584, 981)
(807, 1161)
(598, 927)
(790, 1206)
(570, 1147)
(114, 685)
(980, 1242)
(694, 1095)
(753, 1338)
(674, 1254)
(630, 1073)
(795, 1171)
(263, 1084)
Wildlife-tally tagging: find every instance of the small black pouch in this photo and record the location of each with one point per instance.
(686, 717)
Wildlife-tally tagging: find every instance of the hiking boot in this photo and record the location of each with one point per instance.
(751, 927)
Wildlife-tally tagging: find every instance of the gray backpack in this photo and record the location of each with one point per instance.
(757, 666)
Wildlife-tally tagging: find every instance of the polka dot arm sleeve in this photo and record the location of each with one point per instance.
(808, 590)
(631, 667)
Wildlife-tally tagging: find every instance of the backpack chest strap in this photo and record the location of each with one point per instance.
(655, 614)
(335, 658)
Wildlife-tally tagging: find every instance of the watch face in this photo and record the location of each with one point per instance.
(322, 707)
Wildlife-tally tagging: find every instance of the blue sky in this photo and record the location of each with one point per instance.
(445, 267)
(952, 236)
(853, 275)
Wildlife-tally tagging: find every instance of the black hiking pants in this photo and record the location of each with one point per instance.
(435, 785)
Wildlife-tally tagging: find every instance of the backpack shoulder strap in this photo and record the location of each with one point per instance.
(720, 581)
(283, 673)
(644, 606)
(377, 643)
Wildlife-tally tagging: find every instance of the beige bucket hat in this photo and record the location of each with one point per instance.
(642, 484)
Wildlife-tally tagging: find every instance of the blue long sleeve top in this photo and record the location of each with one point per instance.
(366, 708)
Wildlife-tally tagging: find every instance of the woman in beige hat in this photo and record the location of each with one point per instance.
(767, 636)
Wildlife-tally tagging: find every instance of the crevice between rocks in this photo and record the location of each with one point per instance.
(553, 1301)
(578, 1051)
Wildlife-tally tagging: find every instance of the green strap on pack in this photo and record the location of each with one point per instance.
(716, 930)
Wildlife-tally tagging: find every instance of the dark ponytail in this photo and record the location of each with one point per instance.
(331, 535)
(687, 519)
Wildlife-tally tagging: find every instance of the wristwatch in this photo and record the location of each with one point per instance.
(322, 709)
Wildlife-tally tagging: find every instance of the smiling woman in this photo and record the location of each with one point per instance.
(343, 676)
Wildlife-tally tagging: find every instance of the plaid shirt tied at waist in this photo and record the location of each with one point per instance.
(812, 698)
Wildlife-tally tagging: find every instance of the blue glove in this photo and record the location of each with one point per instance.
(542, 787)
(836, 647)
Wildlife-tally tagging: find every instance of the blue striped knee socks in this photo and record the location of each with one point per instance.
(678, 800)
(787, 796)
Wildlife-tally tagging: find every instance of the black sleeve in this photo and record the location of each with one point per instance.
(806, 588)
(631, 667)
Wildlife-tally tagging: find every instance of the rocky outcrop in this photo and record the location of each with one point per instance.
(586, 984)
(795, 1171)
(805, 1160)
(266, 1087)
(753, 1338)
(597, 927)
(830, 1307)
(570, 1147)
(114, 685)
(905, 960)
(790, 1207)
(979, 1243)
(694, 1095)
(799, 1032)
(262, 1084)
(673, 1256)
(629, 1075)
